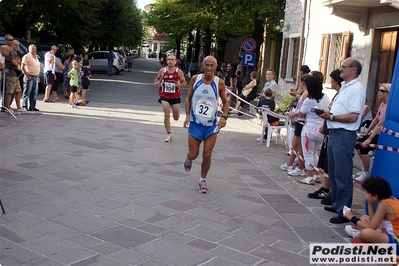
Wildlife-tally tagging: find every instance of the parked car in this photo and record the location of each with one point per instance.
(99, 63)
(135, 53)
(23, 50)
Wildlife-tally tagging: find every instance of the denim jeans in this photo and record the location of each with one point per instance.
(340, 152)
(30, 92)
(109, 69)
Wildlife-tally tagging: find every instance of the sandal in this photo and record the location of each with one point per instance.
(317, 179)
(57, 99)
(47, 100)
(307, 181)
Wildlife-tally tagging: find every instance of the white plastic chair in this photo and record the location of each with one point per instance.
(284, 123)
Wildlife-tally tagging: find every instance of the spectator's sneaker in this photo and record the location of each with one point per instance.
(352, 231)
(168, 138)
(363, 176)
(233, 111)
(25, 109)
(75, 106)
(202, 188)
(296, 172)
(233, 115)
(326, 200)
(187, 164)
(286, 167)
(261, 140)
(21, 111)
(321, 193)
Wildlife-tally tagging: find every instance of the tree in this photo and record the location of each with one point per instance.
(74, 22)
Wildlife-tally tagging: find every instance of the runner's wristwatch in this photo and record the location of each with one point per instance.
(224, 116)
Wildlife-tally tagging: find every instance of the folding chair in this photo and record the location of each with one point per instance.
(283, 123)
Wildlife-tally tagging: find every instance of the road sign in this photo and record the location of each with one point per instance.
(249, 45)
(248, 59)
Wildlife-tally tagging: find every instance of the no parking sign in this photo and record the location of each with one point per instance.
(249, 45)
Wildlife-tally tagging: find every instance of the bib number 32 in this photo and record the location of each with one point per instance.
(204, 108)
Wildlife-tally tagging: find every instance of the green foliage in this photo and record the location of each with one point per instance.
(283, 105)
(74, 22)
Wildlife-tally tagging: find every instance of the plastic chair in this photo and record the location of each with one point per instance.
(284, 123)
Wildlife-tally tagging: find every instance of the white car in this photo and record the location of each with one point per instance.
(99, 62)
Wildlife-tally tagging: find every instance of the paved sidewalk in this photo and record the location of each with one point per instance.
(98, 186)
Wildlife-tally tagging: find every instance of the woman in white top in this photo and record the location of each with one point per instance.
(311, 138)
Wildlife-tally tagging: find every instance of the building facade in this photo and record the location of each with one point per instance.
(321, 34)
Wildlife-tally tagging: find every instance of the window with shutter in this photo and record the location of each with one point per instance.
(283, 72)
(334, 50)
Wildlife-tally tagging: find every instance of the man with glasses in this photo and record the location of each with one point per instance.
(49, 72)
(12, 61)
(342, 122)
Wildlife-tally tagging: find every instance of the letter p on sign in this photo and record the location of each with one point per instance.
(248, 59)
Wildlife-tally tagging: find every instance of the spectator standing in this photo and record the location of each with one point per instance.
(296, 139)
(373, 132)
(170, 79)
(4, 52)
(73, 75)
(192, 68)
(229, 77)
(68, 59)
(59, 68)
(343, 121)
(13, 86)
(31, 69)
(49, 72)
(129, 59)
(110, 57)
(323, 193)
(239, 85)
(86, 76)
(311, 140)
(201, 107)
(239, 66)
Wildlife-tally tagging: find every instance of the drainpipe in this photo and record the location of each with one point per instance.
(302, 40)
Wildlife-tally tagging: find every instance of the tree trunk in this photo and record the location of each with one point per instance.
(178, 44)
(208, 41)
(197, 45)
(257, 35)
(190, 47)
(221, 48)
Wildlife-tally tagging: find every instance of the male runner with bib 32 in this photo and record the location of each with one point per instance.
(201, 116)
(169, 80)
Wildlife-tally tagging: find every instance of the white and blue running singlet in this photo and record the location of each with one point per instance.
(204, 103)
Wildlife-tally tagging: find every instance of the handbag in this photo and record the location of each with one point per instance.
(246, 92)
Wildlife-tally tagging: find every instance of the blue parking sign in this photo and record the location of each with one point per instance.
(248, 59)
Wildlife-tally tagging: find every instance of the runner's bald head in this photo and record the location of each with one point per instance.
(210, 58)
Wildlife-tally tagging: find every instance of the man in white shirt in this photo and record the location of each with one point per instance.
(342, 122)
(49, 72)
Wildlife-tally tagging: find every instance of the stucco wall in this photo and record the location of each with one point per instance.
(321, 21)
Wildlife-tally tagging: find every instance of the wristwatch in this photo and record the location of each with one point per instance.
(224, 116)
(331, 117)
